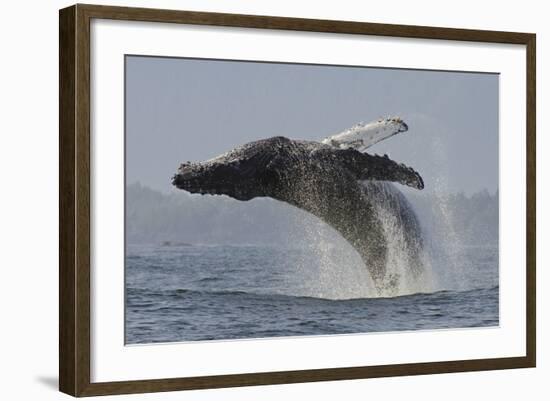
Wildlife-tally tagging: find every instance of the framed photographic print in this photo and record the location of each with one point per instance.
(250, 200)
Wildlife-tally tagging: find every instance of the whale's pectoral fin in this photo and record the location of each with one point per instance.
(362, 136)
(382, 168)
(378, 168)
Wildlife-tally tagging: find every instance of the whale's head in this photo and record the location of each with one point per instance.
(243, 173)
(215, 178)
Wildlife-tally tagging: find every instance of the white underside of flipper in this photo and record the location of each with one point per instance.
(363, 135)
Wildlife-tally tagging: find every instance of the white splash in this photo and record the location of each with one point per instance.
(331, 268)
(452, 276)
(401, 277)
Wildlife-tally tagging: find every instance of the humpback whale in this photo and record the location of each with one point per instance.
(348, 189)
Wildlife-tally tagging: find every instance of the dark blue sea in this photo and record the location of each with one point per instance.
(184, 292)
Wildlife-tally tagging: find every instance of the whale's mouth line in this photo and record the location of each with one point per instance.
(199, 185)
(196, 185)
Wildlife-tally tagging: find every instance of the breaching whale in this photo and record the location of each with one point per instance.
(331, 179)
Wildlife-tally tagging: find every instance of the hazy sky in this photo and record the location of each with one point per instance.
(187, 109)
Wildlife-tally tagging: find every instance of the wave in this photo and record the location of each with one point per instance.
(417, 297)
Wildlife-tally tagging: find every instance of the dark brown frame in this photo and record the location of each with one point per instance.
(74, 199)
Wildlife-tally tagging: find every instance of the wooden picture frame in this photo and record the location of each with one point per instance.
(75, 198)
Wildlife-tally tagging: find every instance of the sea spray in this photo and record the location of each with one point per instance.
(408, 267)
(331, 268)
(445, 248)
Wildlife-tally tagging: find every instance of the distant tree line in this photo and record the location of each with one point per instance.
(179, 217)
(471, 220)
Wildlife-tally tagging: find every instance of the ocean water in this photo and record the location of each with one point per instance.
(183, 292)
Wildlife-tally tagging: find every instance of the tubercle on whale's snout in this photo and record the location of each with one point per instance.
(179, 182)
(184, 176)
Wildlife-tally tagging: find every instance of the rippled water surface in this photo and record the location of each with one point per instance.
(187, 292)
